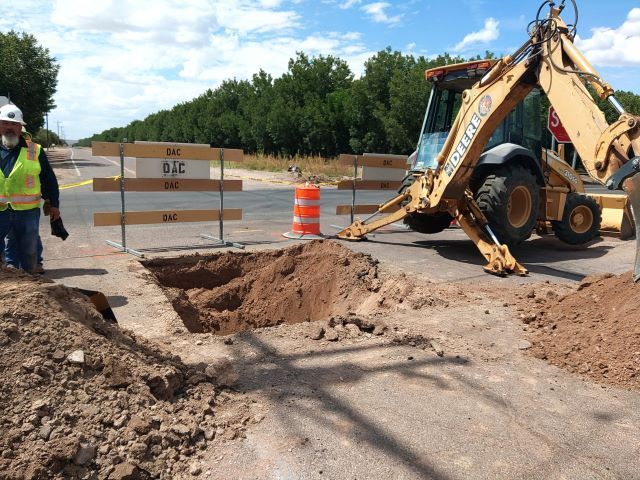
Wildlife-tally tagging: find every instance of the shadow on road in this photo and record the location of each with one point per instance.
(276, 375)
(68, 164)
(117, 300)
(58, 273)
(536, 255)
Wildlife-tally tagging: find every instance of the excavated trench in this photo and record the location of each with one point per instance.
(230, 292)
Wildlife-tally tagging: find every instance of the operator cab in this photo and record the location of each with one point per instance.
(521, 127)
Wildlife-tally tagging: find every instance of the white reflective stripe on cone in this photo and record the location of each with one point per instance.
(306, 221)
(307, 203)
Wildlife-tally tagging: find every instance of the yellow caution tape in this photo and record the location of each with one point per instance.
(84, 182)
(77, 184)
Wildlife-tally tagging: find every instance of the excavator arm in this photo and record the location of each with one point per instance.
(550, 61)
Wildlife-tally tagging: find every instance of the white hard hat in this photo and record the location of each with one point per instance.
(11, 113)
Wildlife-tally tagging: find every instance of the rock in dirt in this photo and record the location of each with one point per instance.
(85, 454)
(76, 357)
(524, 344)
(127, 471)
(317, 332)
(331, 334)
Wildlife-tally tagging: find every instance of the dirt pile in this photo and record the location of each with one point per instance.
(80, 398)
(594, 330)
(230, 292)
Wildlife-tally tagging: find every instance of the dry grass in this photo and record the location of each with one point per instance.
(318, 166)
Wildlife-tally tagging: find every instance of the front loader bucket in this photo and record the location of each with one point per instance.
(616, 214)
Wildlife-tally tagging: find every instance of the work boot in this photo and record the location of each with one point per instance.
(39, 269)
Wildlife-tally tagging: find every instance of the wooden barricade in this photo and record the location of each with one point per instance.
(165, 152)
(376, 161)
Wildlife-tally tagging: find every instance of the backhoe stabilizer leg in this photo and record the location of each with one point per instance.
(632, 188)
(499, 258)
(358, 229)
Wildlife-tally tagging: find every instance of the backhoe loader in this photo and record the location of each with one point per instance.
(550, 62)
(513, 168)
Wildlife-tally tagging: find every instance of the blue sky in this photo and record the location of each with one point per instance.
(123, 59)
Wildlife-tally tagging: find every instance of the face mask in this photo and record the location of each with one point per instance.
(9, 140)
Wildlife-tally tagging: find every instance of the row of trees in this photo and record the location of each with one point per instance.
(315, 108)
(28, 76)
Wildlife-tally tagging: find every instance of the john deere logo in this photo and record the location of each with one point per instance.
(11, 115)
(485, 106)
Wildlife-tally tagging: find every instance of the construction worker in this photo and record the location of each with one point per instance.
(11, 251)
(25, 177)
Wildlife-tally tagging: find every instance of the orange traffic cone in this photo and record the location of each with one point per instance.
(306, 214)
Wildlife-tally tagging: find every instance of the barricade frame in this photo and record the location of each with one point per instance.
(107, 148)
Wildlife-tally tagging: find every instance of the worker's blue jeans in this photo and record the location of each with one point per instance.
(11, 251)
(24, 226)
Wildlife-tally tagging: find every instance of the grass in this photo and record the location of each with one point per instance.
(318, 166)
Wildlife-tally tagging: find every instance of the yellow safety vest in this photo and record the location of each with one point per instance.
(21, 189)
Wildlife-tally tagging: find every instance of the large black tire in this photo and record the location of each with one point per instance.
(509, 197)
(581, 220)
(422, 223)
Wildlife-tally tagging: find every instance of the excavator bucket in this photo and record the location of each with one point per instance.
(632, 186)
(100, 302)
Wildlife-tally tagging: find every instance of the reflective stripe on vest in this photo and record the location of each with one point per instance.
(31, 151)
(24, 199)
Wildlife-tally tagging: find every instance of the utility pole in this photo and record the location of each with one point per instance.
(46, 116)
(58, 122)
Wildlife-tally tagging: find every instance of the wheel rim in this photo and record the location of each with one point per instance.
(581, 219)
(519, 207)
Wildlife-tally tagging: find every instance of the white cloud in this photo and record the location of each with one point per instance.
(377, 13)
(614, 47)
(124, 59)
(349, 3)
(489, 33)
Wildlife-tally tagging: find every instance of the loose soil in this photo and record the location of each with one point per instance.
(593, 330)
(82, 398)
(230, 292)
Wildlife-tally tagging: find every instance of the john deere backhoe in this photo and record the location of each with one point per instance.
(514, 174)
(550, 62)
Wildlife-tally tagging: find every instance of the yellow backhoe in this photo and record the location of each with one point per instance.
(550, 62)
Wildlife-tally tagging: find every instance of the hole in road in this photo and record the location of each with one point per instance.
(230, 292)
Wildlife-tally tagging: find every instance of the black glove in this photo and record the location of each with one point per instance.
(58, 230)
